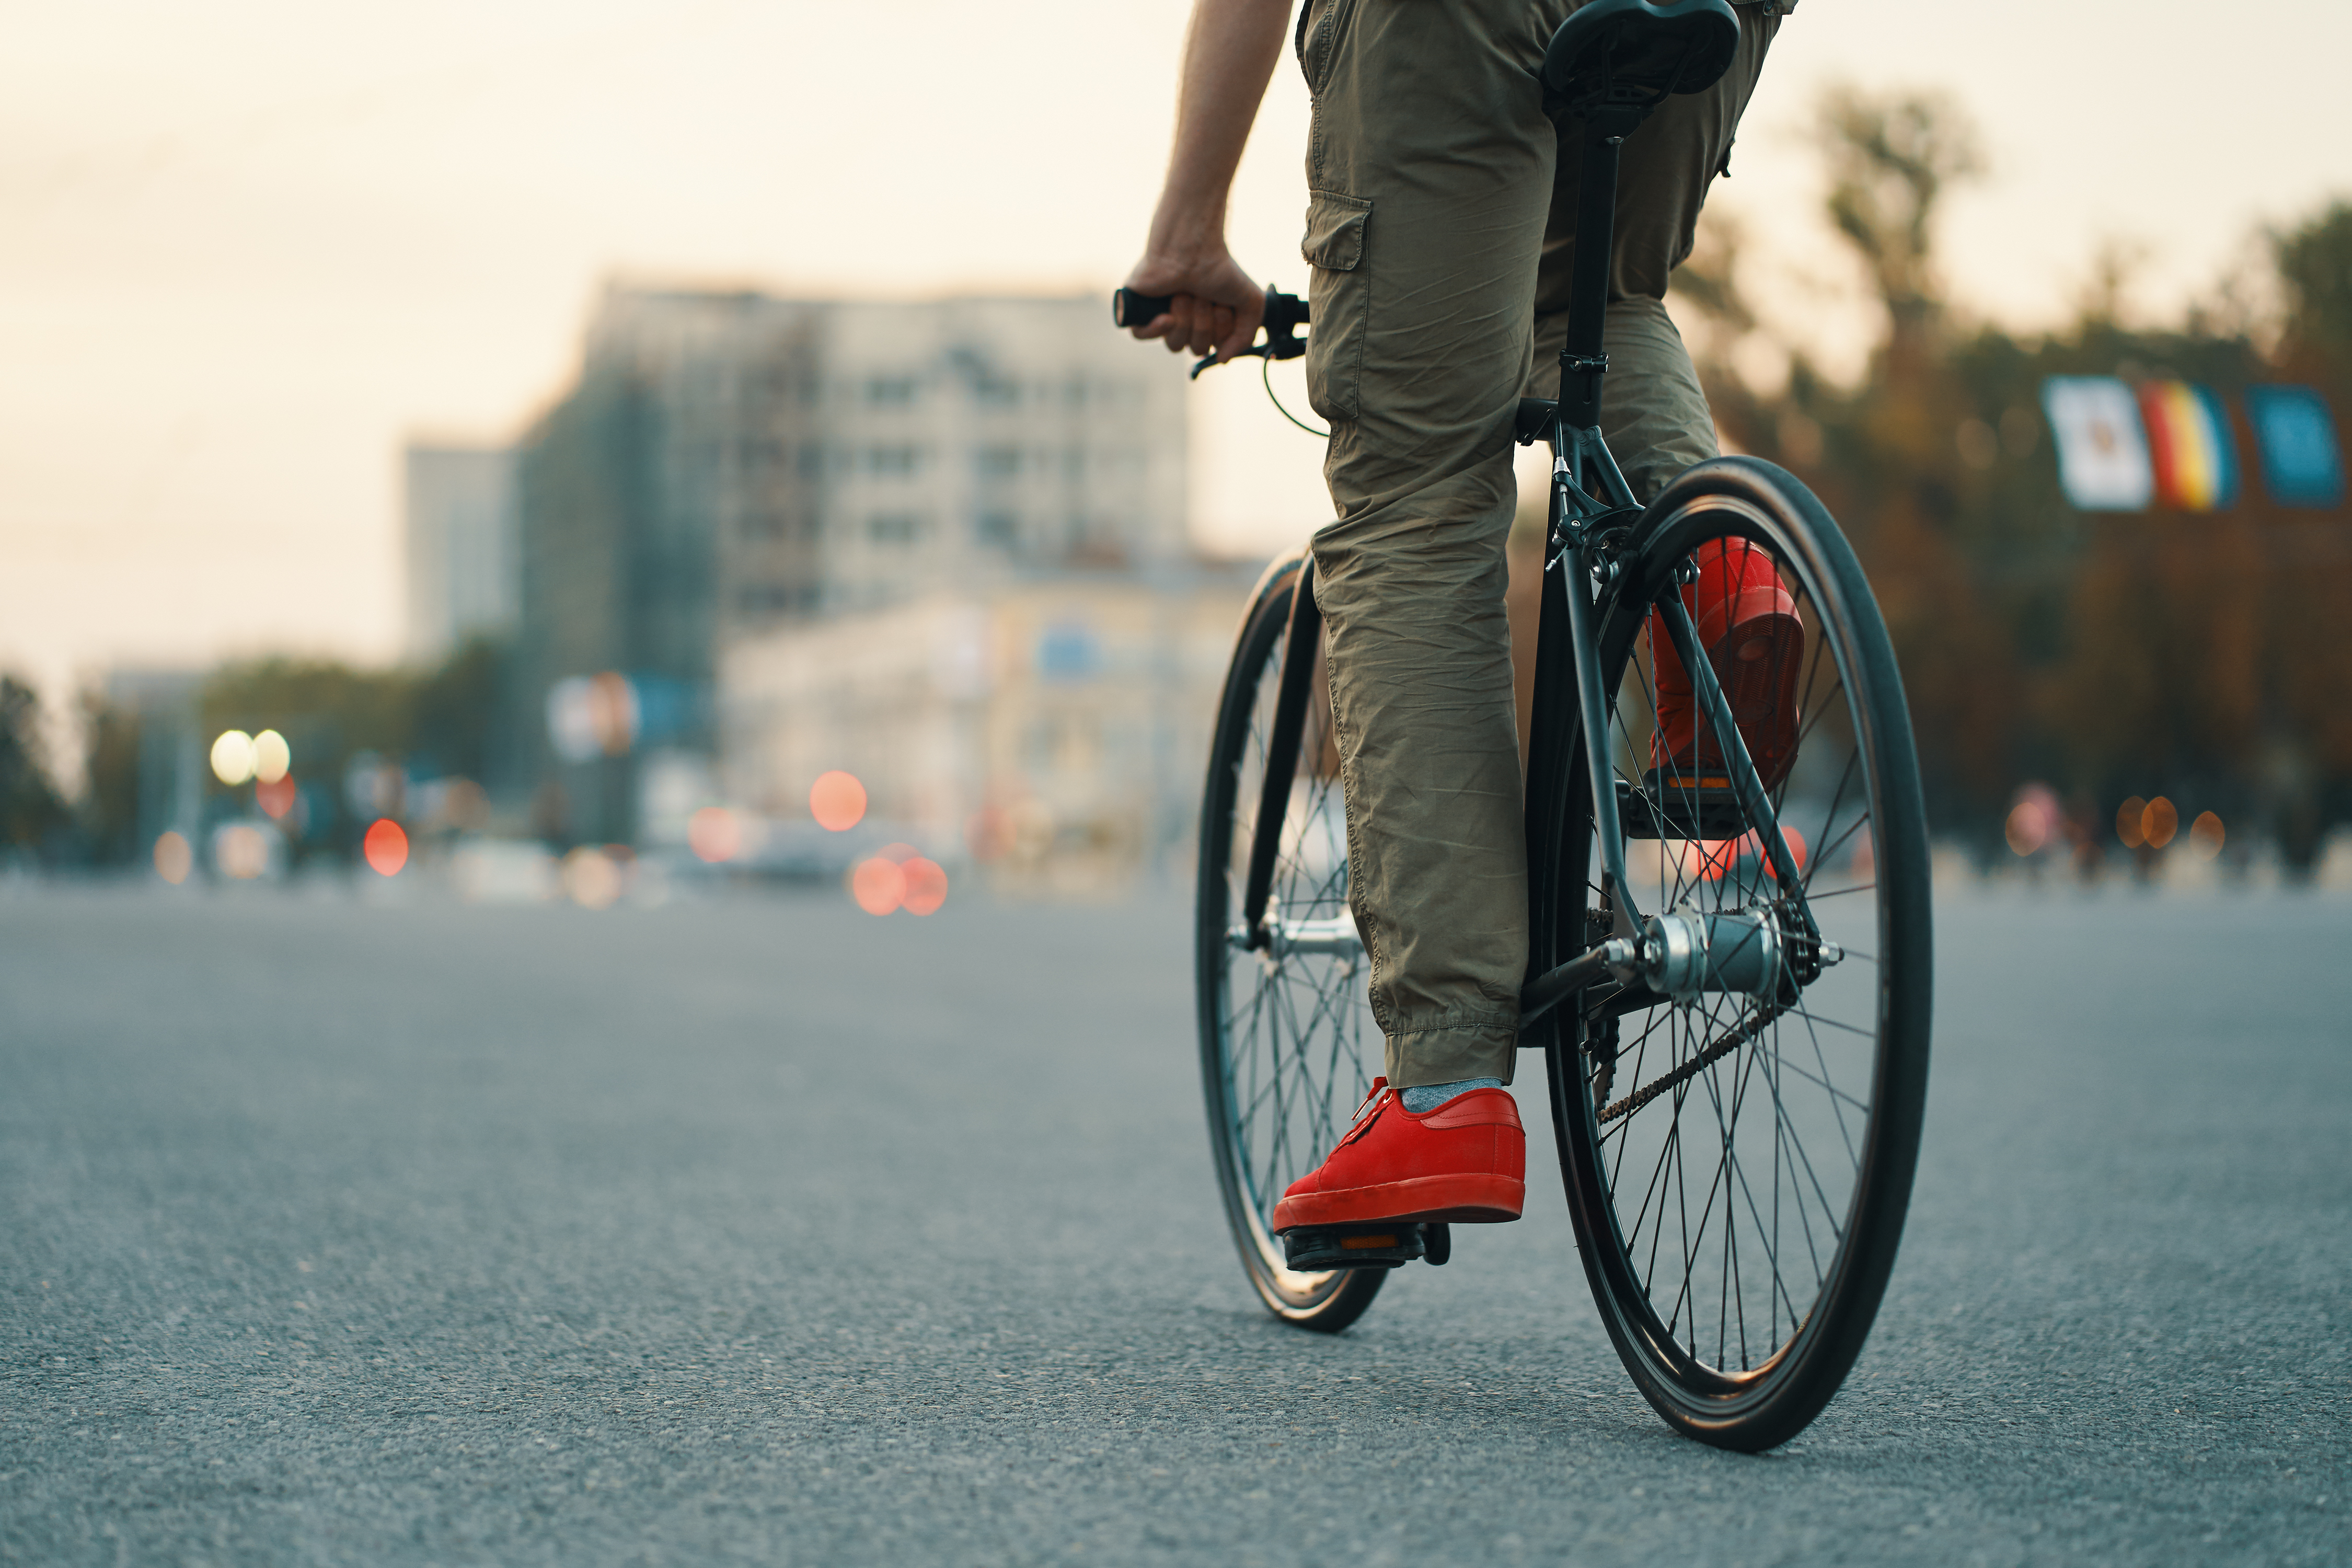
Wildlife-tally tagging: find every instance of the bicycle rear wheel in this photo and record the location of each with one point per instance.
(1287, 1043)
(1738, 1166)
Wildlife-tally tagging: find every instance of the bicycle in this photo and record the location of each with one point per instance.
(1737, 1079)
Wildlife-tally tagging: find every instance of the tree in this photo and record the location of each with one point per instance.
(30, 808)
(109, 804)
(2111, 654)
(2314, 264)
(1890, 158)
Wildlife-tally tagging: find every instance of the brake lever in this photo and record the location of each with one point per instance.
(1283, 314)
(1255, 350)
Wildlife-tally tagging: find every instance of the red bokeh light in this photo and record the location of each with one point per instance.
(714, 835)
(838, 801)
(385, 846)
(1711, 859)
(879, 886)
(1707, 859)
(276, 795)
(927, 886)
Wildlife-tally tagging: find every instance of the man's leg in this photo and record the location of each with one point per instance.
(1652, 412)
(1430, 173)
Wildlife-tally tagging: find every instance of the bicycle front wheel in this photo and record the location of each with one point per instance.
(1287, 1043)
(1738, 1165)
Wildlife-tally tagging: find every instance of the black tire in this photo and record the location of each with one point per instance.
(1287, 1047)
(1739, 1310)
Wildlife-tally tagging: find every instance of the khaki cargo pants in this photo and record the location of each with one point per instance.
(1440, 226)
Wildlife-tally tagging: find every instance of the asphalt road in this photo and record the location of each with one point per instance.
(341, 1232)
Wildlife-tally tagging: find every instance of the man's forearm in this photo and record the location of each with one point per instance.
(1229, 51)
(1229, 55)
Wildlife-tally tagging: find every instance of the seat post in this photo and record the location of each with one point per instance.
(1582, 362)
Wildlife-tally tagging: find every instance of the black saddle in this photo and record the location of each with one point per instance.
(1638, 51)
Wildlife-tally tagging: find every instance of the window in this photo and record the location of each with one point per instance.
(894, 462)
(998, 462)
(894, 527)
(1001, 529)
(891, 391)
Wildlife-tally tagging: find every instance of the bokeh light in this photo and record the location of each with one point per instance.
(2158, 822)
(594, 877)
(1712, 860)
(879, 885)
(232, 756)
(1795, 840)
(2026, 830)
(715, 834)
(2206, 836)
(276, 796)
(838, 801)
(926, 886)
(241, 850)
(2128, 823)
(174, 858)
(2034, 820)
(271, 756)
(385, 846)
(1707, 859)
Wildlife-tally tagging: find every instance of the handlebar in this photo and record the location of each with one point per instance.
(1285, 315)
(1129, 309)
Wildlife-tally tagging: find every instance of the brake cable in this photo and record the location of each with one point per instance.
(1265, 374)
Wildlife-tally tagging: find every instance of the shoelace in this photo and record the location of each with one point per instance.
(1366, 1114)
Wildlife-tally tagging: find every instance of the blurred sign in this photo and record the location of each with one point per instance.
(2103, 460)
(2194, 455)
(2302, 465)
(607, 715)
(1069, 651)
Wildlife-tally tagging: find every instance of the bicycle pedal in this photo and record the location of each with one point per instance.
(1680, 805)
(1311, 1248)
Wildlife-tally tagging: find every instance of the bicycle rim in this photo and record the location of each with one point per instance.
(1288, 1044)
(1738, 1166)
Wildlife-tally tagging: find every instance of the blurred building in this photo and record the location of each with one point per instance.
(460, 545)
(731, 465)
(1054, 726)
(172, 771)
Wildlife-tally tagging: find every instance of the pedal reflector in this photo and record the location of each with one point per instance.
(1314, 1247)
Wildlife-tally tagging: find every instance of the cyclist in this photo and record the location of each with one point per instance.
(1440, 232)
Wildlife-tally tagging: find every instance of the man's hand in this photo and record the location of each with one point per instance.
(1229, 55)
(1215, 307)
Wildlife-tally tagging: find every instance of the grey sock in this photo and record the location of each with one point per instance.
(1430, 1096)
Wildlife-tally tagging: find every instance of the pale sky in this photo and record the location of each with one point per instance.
(250, 244)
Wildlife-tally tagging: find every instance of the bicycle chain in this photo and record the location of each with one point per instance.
(1738, 1037)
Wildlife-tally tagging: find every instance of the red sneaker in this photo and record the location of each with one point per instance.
(1747, 622)
(1463, 1163)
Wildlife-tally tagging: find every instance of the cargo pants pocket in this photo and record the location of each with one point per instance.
(1339, 302)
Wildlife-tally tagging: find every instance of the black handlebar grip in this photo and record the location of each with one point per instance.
(1284, 311)
(1129, 309)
